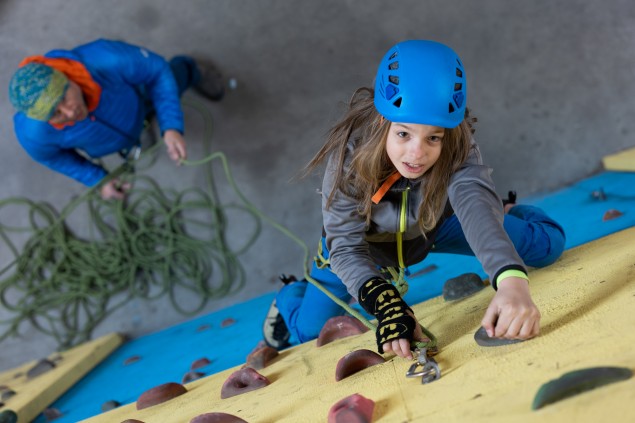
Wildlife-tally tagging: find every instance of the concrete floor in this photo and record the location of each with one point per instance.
(551, 84)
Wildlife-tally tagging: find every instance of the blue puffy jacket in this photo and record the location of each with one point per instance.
(129, 76)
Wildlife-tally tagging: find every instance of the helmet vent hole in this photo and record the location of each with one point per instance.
(459, 62)
(394, 79)
(393, 66)
(392, 56)
(458, 86)
(459, 73)
(397, 103)
(450, 108)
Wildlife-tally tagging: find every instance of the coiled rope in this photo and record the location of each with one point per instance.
(146, 247)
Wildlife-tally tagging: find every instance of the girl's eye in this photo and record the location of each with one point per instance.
(435, 138)
(402, 134)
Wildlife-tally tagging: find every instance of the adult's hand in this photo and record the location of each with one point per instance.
(114, 189)
(175, 144)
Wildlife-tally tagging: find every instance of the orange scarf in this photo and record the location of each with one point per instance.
(76, 72)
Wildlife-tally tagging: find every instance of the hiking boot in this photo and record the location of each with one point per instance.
(210, 84)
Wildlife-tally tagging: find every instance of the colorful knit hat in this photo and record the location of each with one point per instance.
(37, 89)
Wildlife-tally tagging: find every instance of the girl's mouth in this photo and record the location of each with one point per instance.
(414, 168)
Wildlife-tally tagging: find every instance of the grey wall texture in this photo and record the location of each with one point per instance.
(550, 82)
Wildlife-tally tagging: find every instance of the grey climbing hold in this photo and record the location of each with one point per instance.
(482, 338)
(42, 366)
(462, 286)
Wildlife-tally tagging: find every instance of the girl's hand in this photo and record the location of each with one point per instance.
(512, 314)
(401, 347)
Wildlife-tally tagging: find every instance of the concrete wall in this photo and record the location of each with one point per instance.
(551, 84)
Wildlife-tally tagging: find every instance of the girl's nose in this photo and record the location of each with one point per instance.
(417, 149)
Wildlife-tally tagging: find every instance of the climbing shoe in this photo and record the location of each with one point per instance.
(210, 84)
(511, 198)
(275, 330)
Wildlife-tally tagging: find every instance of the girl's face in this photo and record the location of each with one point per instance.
(413, 148)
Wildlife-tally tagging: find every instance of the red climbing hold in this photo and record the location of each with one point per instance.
(340, 327)
(241, 381)
(159, 394)
(355, 361)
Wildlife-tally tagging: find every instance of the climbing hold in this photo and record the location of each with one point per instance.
(462, 286)
(8, 416)
(611, 214)
(340, 327)
(355, 361)
(217, 418)
(109, 405)
(42, 366)
(132, 421)
(159, 394)
(227, 322)
(52, 414)
(201, 362)
(578, 381)
(191, 376)
(482, 338)
(132, 359)
(241, 381)
(6, 394)
(352, 409)
(261, 357)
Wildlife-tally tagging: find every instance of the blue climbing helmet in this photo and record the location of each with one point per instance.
(420, 81)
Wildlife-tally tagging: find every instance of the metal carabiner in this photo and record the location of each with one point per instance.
(426, 367)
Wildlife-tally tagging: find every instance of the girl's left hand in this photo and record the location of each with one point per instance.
(512, 314)
(401, 346)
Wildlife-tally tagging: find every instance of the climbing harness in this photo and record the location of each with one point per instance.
(397, 277)
(426, 367)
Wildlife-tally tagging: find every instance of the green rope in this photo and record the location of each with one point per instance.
(145, 247)
(158, 242)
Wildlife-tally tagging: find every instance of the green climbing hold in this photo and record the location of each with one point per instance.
(578, 381)
(8, 416)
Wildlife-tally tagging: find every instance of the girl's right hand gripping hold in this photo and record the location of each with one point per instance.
(396, 324)
(512, 314)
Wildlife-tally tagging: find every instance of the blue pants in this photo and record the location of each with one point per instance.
(538, 239)
(185, 73)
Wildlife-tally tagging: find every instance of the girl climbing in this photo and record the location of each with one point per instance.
(404, 178)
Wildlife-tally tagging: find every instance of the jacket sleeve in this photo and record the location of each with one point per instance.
(139, 66)
(480, 211)
(345, 237)
(65, 161)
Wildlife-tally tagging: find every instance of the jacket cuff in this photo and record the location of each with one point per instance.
(511, 268)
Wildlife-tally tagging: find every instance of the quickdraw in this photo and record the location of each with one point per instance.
(426, 367)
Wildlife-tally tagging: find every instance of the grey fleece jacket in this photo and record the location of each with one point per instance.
(356, 250)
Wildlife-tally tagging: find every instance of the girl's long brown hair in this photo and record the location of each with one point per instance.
(370, 165)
